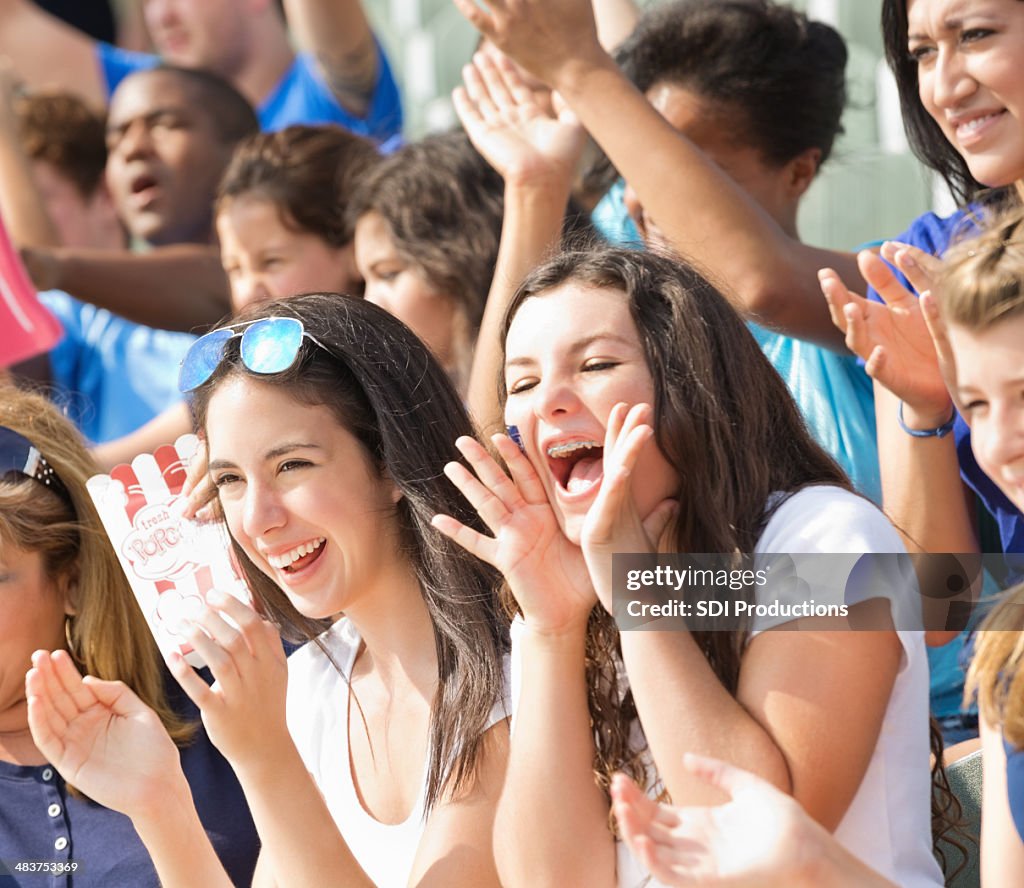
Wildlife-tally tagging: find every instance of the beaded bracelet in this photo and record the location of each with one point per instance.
(939, 432)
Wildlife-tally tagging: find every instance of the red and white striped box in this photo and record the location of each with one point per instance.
(171, 562)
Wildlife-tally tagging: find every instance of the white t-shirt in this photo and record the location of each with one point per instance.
(888, 823)
(317, 707)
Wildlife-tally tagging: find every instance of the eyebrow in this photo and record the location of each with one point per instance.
(971, 388)
(115, 127)
(955, 20)
(578, 346)
(272, 454)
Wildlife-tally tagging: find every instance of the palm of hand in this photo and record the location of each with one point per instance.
(911, 367)
(525, 140)
(751, 845)
(110, 756)
(534, 554)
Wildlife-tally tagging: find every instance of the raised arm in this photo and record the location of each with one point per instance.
(921, 488)
(337, 33)
(46, 52)
(615, 21)
(768, 274)
(180, 287)
(536, 154)
(21, 205)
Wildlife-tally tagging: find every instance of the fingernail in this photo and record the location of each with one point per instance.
(215, 598)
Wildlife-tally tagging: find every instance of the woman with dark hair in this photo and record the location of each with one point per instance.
(977, 319)
(650, 421)
(957, 69)
(61, 588)
(427, 224)
(395, 707)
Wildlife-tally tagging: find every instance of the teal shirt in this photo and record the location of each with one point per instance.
(837, 400)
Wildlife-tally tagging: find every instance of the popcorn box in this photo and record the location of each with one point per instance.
(171, 562)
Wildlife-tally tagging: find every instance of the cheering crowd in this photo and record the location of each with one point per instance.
(439, 384)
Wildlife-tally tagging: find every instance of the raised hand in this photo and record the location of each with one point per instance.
(613, 523)
(545, 571)
(544, 36)
(101, 737)
(892, 337)
(943, 349)
(244, 710)
(761, 837)
(522, 139)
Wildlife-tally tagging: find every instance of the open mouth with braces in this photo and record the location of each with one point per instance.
(576, 466)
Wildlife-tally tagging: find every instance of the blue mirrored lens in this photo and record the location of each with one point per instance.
(202, 359)
(271, 345)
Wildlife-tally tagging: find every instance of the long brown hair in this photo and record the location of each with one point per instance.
(724, 420)
(383, 385)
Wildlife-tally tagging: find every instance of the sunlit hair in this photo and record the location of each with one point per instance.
(996, 675)
(983, 278)
(724, 420)
(307, 172)
(108, 633)
(384, 387)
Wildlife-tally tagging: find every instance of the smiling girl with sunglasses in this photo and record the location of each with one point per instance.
(328, 424)
(651, 422)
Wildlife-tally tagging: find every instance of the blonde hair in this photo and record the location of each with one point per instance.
(983, 277)
(107, 632)
(995, 674)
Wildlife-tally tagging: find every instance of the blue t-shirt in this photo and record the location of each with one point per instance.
(933, 234)
(1015, 785)
(41, 821)
(302, 96)
(112, 375)
(834, 394)
(837, 401)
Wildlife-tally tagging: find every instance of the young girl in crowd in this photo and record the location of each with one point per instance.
(280, 218)
(427, 223)
(955, 66)
(977, 323)
(61, 588)
(651, 421)
(396, 707)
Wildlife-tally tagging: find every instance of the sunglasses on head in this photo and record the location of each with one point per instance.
(268, 346)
